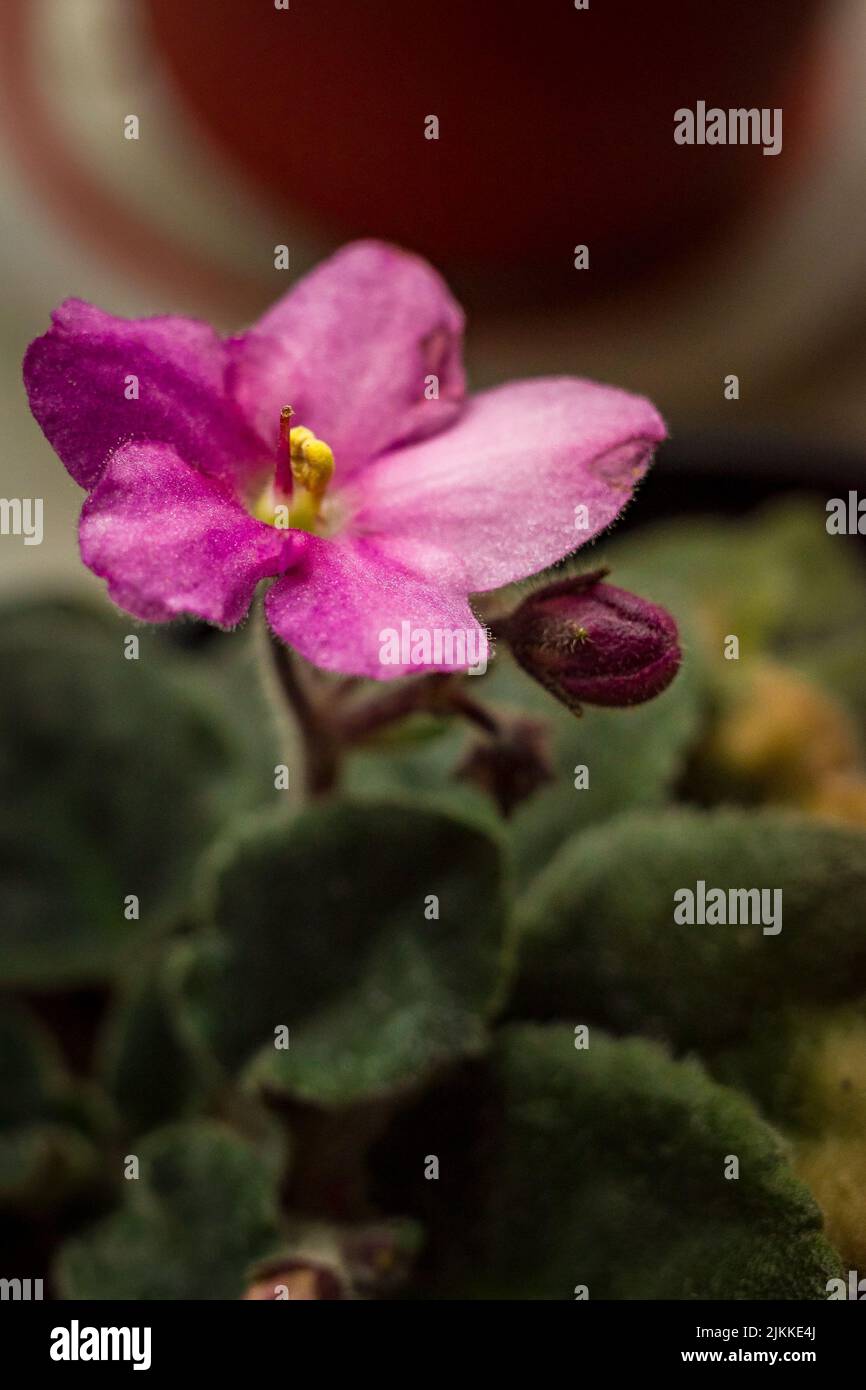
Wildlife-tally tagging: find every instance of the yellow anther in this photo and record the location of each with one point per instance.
(319, 456)
(313, 465)
(298, 436)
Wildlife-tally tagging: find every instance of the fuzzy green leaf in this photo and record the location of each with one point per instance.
(149, 1065)
(605, 1168)
(319, 926)
(598, 939)
(775, 579)
(194, 1223)
(112, 778)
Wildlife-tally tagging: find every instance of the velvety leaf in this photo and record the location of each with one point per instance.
(112, 779)
(606, 1168)
(319, 927)
(201, 1214)
(806, 1068)
(795, 598)
(820, 584)
(417, 754)
(149, 1065)
(598, 939)
(775, 578)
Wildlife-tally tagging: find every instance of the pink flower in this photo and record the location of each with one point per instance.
(394, 498)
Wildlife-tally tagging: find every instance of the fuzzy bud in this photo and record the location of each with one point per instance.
(590, 643)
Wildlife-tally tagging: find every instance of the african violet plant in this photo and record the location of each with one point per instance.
(321, 988)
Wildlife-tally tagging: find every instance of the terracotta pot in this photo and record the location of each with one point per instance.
(556, 124)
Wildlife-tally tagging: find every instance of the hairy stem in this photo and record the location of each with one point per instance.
(437, 695)
(321, 747)
(327, 733)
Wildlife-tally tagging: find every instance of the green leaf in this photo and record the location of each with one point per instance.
(805, 1067)
(320, 927)
(148, 1063)
(201, 1214)
(606, 1168)
(775, 578)
(417, 753)
(43, 1153)
(113, 778)
(818, 578)
(598, 939)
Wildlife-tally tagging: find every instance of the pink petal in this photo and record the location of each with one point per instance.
(497, 492)
(77, 377)
(345, 606)
(349, 348)
(169, 540)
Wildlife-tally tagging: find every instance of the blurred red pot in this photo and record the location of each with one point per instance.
(556, 124)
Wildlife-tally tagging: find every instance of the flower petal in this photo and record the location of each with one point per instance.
(348, 608)
(349, 348)
(169, 540)
(78, 376)
(498, 491)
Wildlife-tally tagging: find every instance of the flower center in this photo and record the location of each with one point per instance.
(304, 470)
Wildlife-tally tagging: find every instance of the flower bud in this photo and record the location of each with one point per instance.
(588, 642)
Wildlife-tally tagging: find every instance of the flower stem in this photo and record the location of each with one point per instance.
(321, 748)
(327, 734)
(481, 715)
(436, 694)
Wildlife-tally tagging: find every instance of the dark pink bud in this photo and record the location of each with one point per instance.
(588, 642)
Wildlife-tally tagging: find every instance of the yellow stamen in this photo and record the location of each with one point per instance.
(297, 436)
(313, 466)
